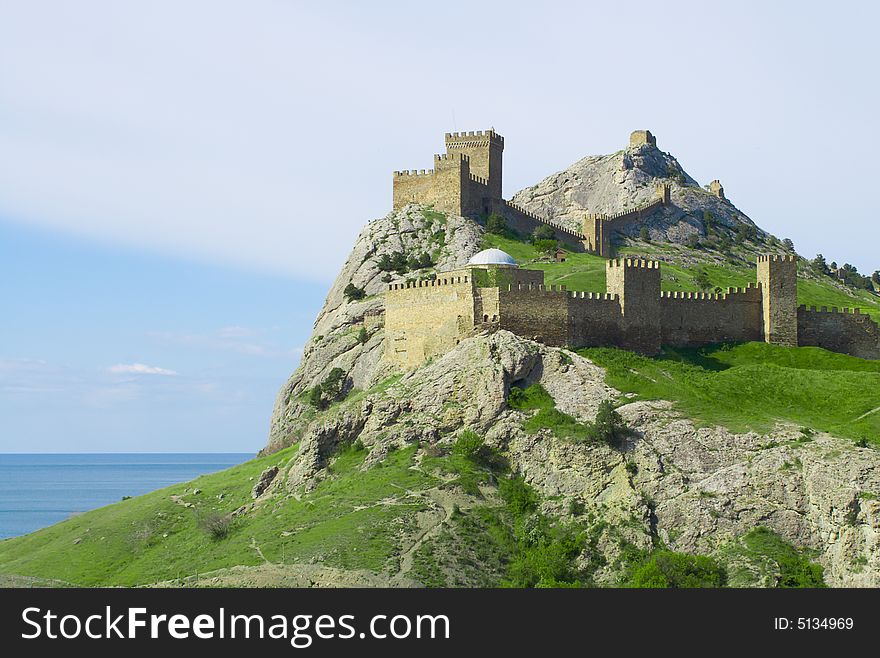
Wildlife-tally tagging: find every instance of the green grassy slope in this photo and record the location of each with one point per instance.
(754, 385)
(151, 538)
(587, 272)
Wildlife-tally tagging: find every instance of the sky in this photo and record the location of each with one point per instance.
(180, 181)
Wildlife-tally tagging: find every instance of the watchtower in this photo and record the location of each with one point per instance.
(484, 149)
(637, 285)
(777, 276)
(716, 188)
(639, 137)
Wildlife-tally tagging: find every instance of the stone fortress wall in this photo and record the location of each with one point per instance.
(467, 179)
(427, 318)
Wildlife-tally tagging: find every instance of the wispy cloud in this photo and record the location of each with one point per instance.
(139, 369)
(243, 340)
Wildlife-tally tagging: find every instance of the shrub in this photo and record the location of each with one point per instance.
(693, 240)
(576, 507)
(644, 234)
(546, 246)
(609, 426)
(496, 224)
(352, 292)
(701, 280)
(469, 444)
(363, 336)
(678, 570)
(519, 496)
(420, 262)
(216, 525)
(327, 391)
(543, 232)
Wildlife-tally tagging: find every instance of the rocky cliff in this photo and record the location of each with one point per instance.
(621, 181)
(696, 489)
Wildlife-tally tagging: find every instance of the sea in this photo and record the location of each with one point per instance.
(41, 489)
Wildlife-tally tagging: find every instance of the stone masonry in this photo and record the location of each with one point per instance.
(466, 181)
(429, 317)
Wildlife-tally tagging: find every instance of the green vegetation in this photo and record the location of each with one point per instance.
(754, 385)
(664, 569)
(496, 224)
(328, 391)
(587, 272)
(353, 293)
(156, 537)
(763, 557)
(608, 426)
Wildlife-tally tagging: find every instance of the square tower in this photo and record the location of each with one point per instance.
(484, 149)
(777, 276)
(637, 286)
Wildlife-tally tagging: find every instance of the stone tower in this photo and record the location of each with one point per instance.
(637, 285)
(716, 188)
(777, 276)
(484, 148)
(639, 137)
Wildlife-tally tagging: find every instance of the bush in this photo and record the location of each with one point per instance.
(701, 280)
(609, 426)
(519, 496)
(543, 232)
(678, 570)
(693, 240)
(546, 247)
(327, 391)
(352, 292)
(216, 525)
(644, 234)
(496, 224)
(420, 262)
(363, 336)
(393, 262)
(469, 444)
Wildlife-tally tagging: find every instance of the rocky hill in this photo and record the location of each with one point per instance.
(614, 183)
(489, 465)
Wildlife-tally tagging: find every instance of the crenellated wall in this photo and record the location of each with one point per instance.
(692, 319)
(848, 331)
(427, 318)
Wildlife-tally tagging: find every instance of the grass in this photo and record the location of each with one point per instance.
(151, 538)
(752, 386)
(587, 272)
(762, 555)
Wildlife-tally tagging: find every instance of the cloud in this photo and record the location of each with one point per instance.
(139, 369)
(242, 340)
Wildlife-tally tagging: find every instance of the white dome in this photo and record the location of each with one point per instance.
(492, 257)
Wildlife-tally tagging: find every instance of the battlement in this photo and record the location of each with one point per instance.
(430, 283)
(451, 157)
(473, 136)
(777, 258)
(559, 227)
(633, 262)
(833, 309)
(414, 172)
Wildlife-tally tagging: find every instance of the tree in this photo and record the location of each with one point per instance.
(644, 234)
(543, 232)
(819, 264)
(496, 224)
(833, 265)
(609, 426)
(420, 262)
(875, 277)
(546, 246)
(693, 240)
(788, 244)
(352, 292)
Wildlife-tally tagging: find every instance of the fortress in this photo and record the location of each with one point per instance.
(466, 181)
(427, 318)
